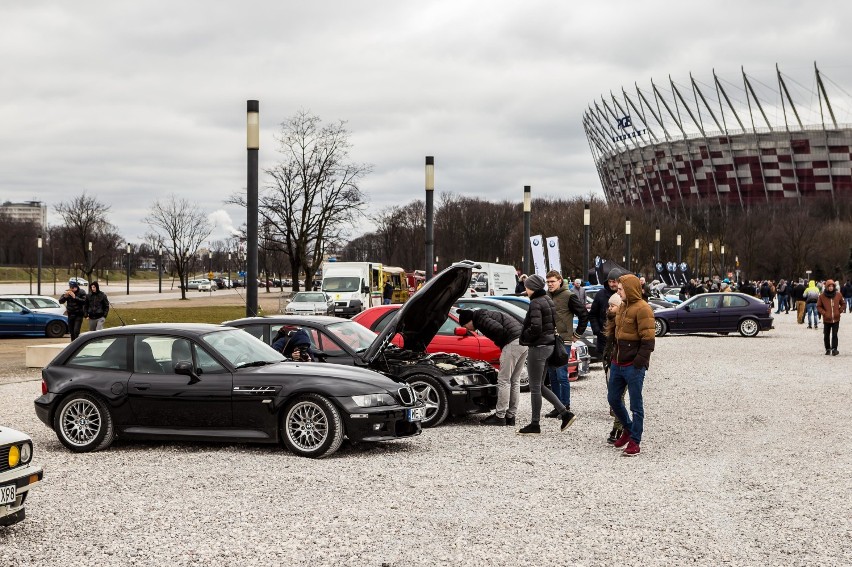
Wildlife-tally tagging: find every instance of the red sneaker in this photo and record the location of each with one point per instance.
(623, 439)
(632, 449)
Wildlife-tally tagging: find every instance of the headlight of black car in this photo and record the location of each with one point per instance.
(374, 400)
(469, 380)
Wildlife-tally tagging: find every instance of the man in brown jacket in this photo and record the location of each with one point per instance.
(634, 342)
(830, 306)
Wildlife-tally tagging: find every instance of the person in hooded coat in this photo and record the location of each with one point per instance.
(294, 344)
(830, 306)
(97, 307)
(811, 296)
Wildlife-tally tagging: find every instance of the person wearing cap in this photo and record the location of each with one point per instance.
(74, 299)
(598, 311)
(539, 333)
(634, 343)
(505, 331)
(830, 306)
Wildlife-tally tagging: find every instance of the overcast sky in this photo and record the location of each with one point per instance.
(135, 101)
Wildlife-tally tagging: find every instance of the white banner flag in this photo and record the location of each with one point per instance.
(537, 251)
(553, 259)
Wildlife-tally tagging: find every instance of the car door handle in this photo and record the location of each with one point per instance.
(142, 385)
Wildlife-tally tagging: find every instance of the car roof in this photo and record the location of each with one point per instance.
(322, 319)
(163, 328)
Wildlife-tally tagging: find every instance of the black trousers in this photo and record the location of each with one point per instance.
(829, 331)
(74, 323)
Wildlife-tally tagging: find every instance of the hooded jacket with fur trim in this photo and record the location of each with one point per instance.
(634, 326)
(830, 303)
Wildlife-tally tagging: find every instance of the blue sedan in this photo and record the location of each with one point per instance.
(715, 312)
(17, 320)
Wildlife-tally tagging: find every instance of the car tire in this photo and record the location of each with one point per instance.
(311, 426)
(430, 392)
(83, 423)
(749, 327)
(55, 329)
(660, 327)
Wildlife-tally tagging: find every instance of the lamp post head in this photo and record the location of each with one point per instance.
(39, 243)
(723, 249)
(657, 234)
(90, 246)
(710, 246)
(696, 244)
(430, 173)
(587, 215)
(678, 240)
(252, 125)
(128, 248)
(527, 198)
(627, 226)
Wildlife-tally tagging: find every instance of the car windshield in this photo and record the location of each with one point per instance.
(358, 337)
(341, 284)
(309, 298)
(242, 349)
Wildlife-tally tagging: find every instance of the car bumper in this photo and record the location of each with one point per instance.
(766, 324)
(472, 399)
(380, 424)
(23, 478)
(44, 407)
(347, 312)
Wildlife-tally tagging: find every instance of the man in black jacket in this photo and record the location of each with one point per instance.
(97, 307)
(74, 299)
(505, 331)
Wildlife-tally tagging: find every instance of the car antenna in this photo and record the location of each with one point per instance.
(114, 310)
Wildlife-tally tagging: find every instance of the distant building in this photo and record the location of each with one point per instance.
(32, 211)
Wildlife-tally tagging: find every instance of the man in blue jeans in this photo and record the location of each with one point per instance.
(567, 306)
(634, 343)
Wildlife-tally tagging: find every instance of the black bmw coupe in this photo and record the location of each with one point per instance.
(212, 383)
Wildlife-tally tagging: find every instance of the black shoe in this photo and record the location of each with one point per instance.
(554, 413)
(510, 420)
(493, 419)
(810, 327)
(613, 435)
(827, 351)
(834, 352)
(816, 326)
(531, 429)
(567, 419)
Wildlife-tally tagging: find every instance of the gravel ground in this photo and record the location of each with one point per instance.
(743, 463)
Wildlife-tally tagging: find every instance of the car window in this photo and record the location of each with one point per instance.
(383, 321)
(103, 352)
(734, 301)
(326, 344)
(9, 306)
(353, 335)
(240, 349)
(154, 354)
(44, 303)
(309, 298)
(257, 330)
(449, 327)
(206, 363)
(704, 302)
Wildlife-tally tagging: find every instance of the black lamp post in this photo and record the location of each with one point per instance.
(627, 257)
(430, 205)
(39, 245)
(90, 259)
(128, 268)
(252, 147)
(587, 221)
(678, 249)
(160, 270)
(229, 269)
(527, 227)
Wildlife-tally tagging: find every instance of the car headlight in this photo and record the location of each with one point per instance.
(469, 380)
(14, 456)
(26, 453)
(373, 400)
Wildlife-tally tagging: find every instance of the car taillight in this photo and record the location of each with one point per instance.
(43, 387)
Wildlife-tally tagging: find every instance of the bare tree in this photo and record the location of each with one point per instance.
(85, 221)
(314, 197)
(183, 228)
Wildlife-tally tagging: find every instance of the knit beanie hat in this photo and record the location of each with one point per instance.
(615, 299)
(465, 316)
(616, 273)
(535, 282)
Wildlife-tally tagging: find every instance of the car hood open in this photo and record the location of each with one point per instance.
(423, 314)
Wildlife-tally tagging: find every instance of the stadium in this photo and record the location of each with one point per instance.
(723, 144)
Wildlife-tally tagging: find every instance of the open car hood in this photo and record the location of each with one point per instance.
(422, 315)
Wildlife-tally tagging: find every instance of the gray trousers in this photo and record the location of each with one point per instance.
(512, 359)
(536, 368)
(96, 324)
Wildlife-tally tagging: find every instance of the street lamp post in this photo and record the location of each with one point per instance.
(656, 246)
(587, 222)
(697, 246)
(527, 227)
(252, 147)
(229, 270)
(160, 270)
(678, 249)
(128, 268)
(430, 206)
(39, 245)
(627, 244)
(90, 261)
(724, 273)
(710, 258)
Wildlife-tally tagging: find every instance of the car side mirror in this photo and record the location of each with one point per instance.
(185, 368)
(686, 308)
(365, 289)
(25, 311)
(461, 332)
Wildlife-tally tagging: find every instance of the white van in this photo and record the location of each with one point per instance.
(354, 286)
(492, 279)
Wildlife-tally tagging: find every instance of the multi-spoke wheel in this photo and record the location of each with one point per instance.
(432, 394)
(660, 327)
(312, 426)
(84, 423)
(749, 328)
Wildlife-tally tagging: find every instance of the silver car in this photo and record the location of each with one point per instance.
(17, 474)
(310, 303)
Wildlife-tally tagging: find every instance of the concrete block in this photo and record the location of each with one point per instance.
(38, 356)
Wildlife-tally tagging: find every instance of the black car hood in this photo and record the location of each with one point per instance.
(419, 319)
(336, 372)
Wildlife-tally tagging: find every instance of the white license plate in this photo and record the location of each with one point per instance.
(7, 494)
(413, 414)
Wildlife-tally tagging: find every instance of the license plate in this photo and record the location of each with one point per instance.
(413, 414)
(7, 494)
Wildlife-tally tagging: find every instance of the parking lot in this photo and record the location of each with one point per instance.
(744, 462)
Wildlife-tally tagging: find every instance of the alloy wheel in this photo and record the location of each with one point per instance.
(81, 422)
(429, 396)
(307, 425)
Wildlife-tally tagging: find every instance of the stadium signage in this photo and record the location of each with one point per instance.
(623, 124)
